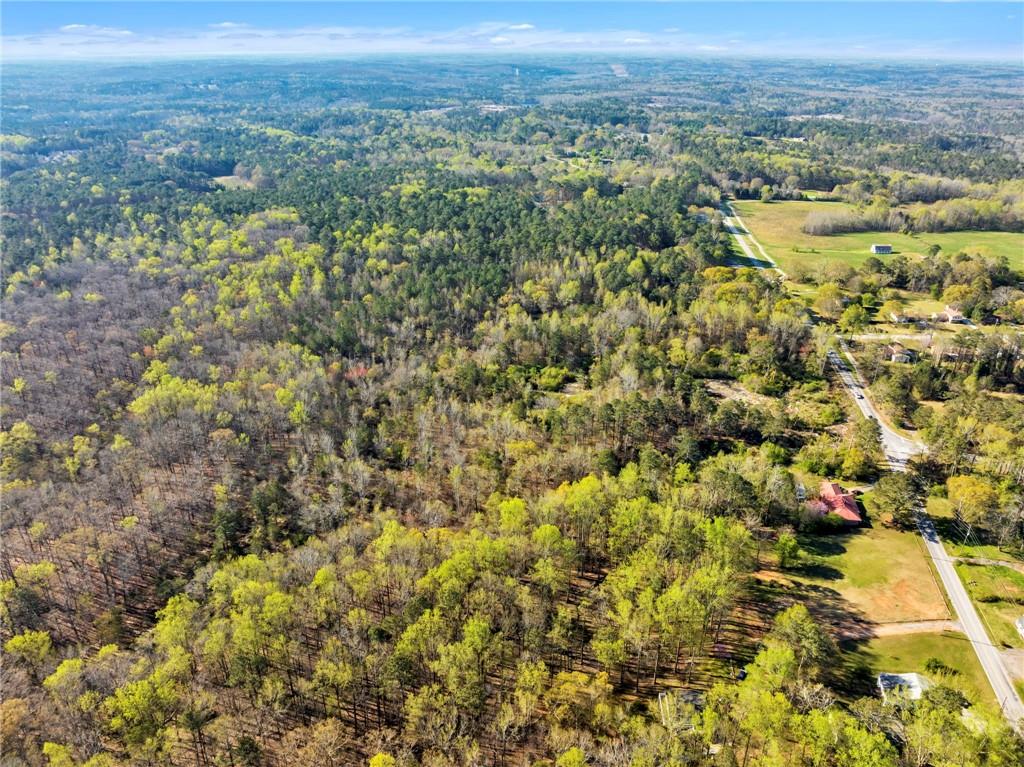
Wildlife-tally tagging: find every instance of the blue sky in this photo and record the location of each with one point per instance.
(914, 30)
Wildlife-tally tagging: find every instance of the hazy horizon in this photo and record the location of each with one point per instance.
(843, 31)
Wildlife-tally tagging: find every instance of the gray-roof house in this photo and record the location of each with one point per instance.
(881, 250)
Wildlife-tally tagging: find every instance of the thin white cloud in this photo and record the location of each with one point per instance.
(92, 30)
(238, 38)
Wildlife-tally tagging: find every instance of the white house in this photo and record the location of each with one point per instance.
(951, 316)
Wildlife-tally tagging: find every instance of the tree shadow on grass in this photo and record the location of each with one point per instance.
(948, 529)
(742, 260)
(744, 629)
(831, 609)
(824, 545)
(853, 673)
(828, 607)
(818, 571)
(952, 532)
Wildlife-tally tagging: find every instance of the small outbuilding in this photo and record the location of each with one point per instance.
(901, 318)
(881, 250)
(1019, 623)
(910, 686)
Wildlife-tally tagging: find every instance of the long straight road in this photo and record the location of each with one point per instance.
(898, 450)
(746, 240)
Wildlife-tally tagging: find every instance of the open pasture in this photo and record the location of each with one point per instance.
(778, 227)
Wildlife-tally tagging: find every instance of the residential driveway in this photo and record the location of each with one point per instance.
(1014, 660)
(873, 630)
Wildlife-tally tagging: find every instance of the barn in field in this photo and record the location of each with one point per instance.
(881, 250)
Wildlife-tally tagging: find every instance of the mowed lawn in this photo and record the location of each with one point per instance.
(778, 227)
(882, 574)
(910, 652)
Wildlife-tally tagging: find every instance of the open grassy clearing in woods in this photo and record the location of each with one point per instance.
(870, 576)
(234, 182)
(910, 652)
(778, 227)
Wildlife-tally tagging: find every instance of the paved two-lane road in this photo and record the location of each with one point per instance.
(898, 450)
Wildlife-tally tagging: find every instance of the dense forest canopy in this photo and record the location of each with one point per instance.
(424, 412)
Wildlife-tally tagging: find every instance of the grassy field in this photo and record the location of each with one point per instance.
(910, 652)
(998, 593)
(777, 226)
(234, 182)
(879, 574)
(919, 306)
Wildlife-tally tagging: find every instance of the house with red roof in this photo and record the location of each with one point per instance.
(840, 503)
